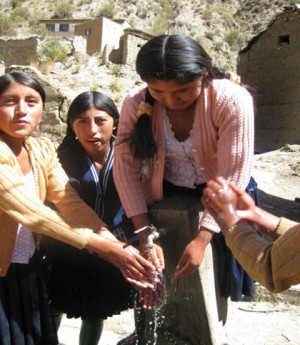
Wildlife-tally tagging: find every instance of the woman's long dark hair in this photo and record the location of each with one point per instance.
(24, 79)
(84, 102)
(168, 57)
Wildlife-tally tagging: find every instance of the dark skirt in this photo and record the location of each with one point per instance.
(26, 317)
(81, 284)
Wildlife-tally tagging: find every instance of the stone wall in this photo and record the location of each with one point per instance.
(22, 51)
(271, 66)
(131, 45)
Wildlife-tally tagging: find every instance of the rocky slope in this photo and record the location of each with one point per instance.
(222, 26)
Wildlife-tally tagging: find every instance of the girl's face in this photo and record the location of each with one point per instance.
(94, 129)
(174, 95)
(21, 109)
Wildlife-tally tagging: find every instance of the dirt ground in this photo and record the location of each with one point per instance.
(249, 323)
(269, 319)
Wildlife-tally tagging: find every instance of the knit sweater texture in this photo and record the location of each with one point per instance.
(275, 265)
(73, 224)
(223, 145)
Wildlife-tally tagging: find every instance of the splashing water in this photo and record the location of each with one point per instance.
(154, 317)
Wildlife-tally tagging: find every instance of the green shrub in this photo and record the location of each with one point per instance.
(167, 11)
(115, 70)
(22, 13)
(63, 10)
(84, 2)
(207, 14)
(54, 51)
(108, 10)
(15, 3)
(95, 87)
(6, 24)
(115, 85)
(234, 39)
(38, 29)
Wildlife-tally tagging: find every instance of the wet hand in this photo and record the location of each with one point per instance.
(134, 267)
(155, 255)
(221, 201)
(245, 204)
(148, 297)
(190, 260)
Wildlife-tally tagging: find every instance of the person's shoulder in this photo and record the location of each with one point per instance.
(137, 94)
(227, 88)
(225, 85)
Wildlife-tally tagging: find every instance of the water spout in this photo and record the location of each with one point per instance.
(152, 316)
(154, 235)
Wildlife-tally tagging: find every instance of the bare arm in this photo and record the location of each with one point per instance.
(193, 253)
(136, 269)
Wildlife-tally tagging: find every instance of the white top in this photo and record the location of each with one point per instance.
(25, 242)
(180, 167)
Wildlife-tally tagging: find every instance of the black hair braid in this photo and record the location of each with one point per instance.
(143, 146)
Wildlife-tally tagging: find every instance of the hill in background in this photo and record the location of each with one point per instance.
(223, 27)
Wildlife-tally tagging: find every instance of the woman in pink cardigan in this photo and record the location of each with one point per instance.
(188, 123)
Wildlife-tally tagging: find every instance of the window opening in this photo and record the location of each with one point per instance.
(284, 40)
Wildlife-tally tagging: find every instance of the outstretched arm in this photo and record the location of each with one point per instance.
(135, 269)
(276, 265)
(229, 204)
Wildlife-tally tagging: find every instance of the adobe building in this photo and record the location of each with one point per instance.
(130, 44)
(271, 65)
(59, 27)
(101, 32)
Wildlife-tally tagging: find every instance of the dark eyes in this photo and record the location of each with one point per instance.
(97, 121)
(12, 100)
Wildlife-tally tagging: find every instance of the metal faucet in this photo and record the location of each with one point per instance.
(154, 235)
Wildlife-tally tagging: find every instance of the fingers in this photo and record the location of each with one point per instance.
(184, 267)
(184, 271)
(135, 277)
(237, 190)
(159, 260)
(139, 284)
(150, 297)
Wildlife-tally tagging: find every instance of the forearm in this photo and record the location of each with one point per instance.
(103, 231)
(252, 252)
(104, 246)
(204, 237)
(139, 222)
(266, 221)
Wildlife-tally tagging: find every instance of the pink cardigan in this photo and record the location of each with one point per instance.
(223, 144)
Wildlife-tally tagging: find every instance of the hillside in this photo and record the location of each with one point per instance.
(222, 26)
